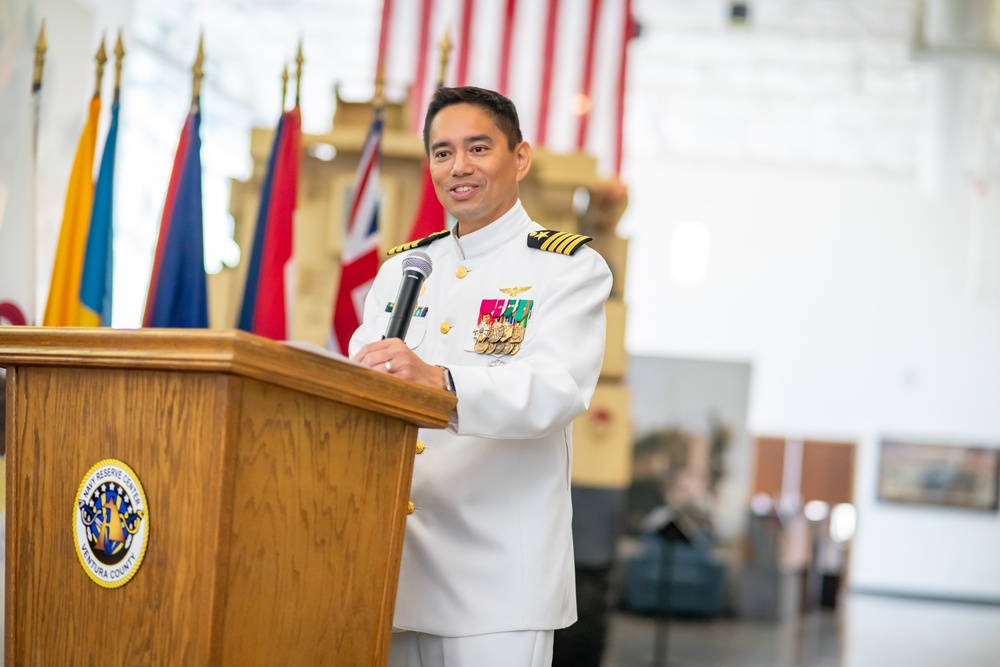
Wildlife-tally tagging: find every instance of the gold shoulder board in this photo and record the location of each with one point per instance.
(564, 243)
(419, 243)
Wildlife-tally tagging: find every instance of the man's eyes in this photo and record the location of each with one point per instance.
(445, 154)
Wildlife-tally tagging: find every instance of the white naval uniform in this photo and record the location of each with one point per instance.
(489, 547)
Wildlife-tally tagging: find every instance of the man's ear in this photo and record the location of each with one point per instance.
(522, 152)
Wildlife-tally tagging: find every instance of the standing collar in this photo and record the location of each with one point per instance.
(502, 230)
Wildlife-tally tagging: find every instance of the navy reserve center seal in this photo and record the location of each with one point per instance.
(564, 243)
(110, 523)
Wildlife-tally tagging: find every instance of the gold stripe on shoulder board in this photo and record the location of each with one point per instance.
(419, 243)
(565, 243)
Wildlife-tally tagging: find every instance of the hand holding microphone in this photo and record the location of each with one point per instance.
(417, 266)
(390, 355)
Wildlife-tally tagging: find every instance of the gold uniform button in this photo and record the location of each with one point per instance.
(462, 272)
(420, 446)
(410, 507)
(445, 327)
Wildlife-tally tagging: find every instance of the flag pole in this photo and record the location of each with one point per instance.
(178, 294)
(359, 255)
(63, 307)
(284, 87)
(197, 72)
(100, 58)
(40, 48)
(445, 46)
(379, 85)
(298, 72)
(97, 270)
(36, 87)
(119, 57)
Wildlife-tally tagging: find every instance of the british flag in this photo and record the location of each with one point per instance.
(359, 259)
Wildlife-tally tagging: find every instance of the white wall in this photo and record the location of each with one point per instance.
(849, 293)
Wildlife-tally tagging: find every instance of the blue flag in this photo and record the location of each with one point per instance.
(178, 291)
(96, 280)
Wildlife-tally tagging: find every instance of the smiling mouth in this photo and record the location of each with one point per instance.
(463, 188)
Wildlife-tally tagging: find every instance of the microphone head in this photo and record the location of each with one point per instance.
(418, 261)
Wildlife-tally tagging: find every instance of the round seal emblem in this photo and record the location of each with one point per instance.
(111, 523)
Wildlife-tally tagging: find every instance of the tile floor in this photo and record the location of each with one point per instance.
(812, 641)
(867, 631)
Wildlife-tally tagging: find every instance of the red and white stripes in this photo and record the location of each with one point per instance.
(562, 62)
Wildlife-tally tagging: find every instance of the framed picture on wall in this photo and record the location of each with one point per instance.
(941, 475)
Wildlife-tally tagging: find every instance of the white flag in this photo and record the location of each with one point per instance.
(18, 111)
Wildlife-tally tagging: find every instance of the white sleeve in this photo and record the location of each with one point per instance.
(552, 379)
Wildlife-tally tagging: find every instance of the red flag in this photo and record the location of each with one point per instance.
(270, 314)
(431, 216)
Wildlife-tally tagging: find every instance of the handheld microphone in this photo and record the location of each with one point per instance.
(416, 268)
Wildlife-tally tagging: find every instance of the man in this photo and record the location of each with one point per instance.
(512, 321)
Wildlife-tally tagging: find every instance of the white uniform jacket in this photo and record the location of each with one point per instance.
(489, 547)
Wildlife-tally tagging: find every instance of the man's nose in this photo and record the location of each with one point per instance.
(461, 166)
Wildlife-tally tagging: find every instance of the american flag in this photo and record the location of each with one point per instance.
(359, 259)
(562, 62)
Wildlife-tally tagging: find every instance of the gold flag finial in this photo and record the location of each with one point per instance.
(445, 47)
(284, 87)
(100, 58)
(379, 86)
(119, 56)
(298, 72)
(196, 69)
(40, 48)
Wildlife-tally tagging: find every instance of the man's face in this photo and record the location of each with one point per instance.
(475, 174)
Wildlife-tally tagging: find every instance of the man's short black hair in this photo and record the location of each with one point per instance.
(500, 109)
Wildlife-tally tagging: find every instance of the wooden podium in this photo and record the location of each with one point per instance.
(276, 491)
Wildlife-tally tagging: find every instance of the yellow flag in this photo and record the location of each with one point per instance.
(64, 307)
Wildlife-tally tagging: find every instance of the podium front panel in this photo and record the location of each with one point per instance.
(172, 430)
(276, 520)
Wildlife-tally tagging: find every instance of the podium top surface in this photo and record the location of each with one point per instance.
(227, 351)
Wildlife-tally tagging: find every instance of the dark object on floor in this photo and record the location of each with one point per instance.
(582, 644)
(598, 522)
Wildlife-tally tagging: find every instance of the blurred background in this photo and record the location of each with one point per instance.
(810, 404)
